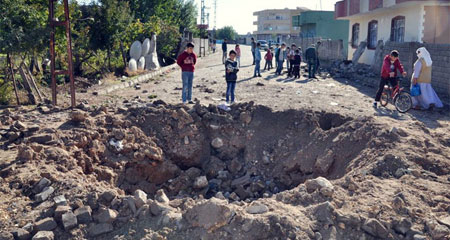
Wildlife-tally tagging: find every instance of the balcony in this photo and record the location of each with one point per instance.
(340, 9)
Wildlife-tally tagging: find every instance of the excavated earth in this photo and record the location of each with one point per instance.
(176, 172)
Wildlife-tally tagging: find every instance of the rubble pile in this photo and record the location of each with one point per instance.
(351, 71)
(174, 172)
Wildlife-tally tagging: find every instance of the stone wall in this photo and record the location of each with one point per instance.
(204, 43)
(440, 54)
(330, 50)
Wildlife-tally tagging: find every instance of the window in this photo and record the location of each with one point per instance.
(398, 29)
(355, 35)
(372, 35)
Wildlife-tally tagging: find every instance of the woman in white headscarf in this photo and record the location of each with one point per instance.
(422, 77)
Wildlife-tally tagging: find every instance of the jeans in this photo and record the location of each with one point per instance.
(187, 78)
(257, 67)
(224, 58)
(311, 69)
(383, 82)
(231, 85)
(253, 54)
(280, 66)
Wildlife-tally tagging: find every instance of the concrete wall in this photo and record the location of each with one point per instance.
(413, 27)
(440, 54)
(322, 24)
(329, 50)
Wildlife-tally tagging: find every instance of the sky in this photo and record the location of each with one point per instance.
(239, 13)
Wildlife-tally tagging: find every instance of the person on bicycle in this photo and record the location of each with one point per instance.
(391, 64)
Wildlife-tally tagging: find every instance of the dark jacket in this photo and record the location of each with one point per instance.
(386, 69)
(310, 55)
(233, 66)
(297, 60)
(224, 46)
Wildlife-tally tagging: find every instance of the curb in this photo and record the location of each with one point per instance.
(135, 80)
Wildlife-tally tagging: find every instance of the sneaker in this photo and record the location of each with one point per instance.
(259, 75)
(375, 105)
(191, 102)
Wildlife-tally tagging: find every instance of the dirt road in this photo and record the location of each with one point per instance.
(278, 92)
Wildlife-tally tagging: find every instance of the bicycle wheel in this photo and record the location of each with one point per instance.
(384, 100)
(403, 102)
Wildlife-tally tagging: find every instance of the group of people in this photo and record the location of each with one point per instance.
(293, 57)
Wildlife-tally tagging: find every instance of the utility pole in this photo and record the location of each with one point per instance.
(202, 14)
(215, 14)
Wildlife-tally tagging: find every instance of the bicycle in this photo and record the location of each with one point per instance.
(397, 96)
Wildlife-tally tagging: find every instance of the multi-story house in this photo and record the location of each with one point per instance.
(424, 21)
(276, 24)
(322, 24)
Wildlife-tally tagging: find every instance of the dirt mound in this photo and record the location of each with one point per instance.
(175, 172)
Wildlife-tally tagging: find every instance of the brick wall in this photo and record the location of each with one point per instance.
(440, 54)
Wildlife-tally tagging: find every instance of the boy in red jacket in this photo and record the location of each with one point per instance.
(268, 58)
(391, 64)
(187, 61)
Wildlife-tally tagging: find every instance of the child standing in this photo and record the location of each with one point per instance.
(231, 69)
(296, 63)
(268, 58)
(238, 54)
(257, 61)
(187, 61)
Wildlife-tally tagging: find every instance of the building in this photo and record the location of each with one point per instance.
(276, 24)
(322, 24)
(423, 21)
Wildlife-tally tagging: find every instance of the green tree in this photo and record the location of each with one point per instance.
(227, 32)
(112, 18)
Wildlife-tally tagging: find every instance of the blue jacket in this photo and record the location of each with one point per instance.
(257, 54)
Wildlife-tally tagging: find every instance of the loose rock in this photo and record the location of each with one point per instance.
(46, 224)
(140, 198)
(44, 235)
(83, 214)
(200, 182)
(69, 220)
(257, 208)
(99, 229)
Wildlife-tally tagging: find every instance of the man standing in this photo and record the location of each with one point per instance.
(319, 43)
(311, 59)
(257, 61)
(277, 48)
(280, 57)
(187, 61)
(224, 50)
(253, 50)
